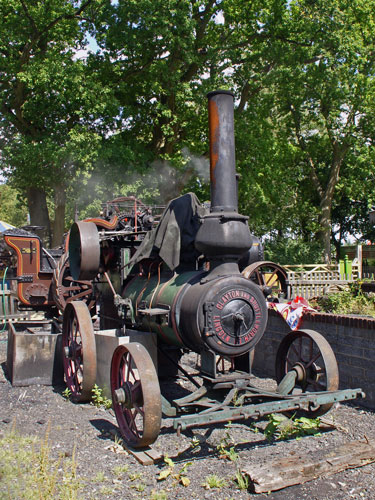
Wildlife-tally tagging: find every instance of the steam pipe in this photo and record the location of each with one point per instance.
(222, 152)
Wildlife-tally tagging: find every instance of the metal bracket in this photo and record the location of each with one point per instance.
(124, 307)
(208, 363)
(25, 278)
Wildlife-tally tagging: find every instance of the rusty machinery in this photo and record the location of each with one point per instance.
(42, 276)
(184, 284)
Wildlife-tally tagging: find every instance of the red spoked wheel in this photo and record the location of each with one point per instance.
(136, 395)
(79, 351)
(309, 354)
(65, 289)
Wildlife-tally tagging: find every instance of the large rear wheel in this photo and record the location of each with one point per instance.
(270, 277)
(79, 351)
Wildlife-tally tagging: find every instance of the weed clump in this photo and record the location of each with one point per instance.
(283, 428)
(351, 300)
(99, 400)
(28, 471)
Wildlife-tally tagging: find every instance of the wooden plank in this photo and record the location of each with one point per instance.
(299, 469)
(145, 456)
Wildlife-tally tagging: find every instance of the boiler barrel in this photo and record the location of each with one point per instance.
(227, 314)
(150, 296)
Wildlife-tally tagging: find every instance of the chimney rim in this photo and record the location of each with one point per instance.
(216, 92)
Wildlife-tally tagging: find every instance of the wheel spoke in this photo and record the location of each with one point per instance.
(66, 290)
(139, 410)
(259, 277)
(270, 277)
(313, 359)
(289, 364)
(265, 273)
(316, 384)
(294, 348)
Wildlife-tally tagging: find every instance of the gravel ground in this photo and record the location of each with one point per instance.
(92, 431)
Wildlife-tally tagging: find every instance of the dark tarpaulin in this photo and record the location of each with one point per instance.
(173, 239)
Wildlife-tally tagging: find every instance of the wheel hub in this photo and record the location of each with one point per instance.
(299, 368)
(123, 396)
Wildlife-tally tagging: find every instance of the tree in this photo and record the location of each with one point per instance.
(305, 88)
(48, 102)
(322, 97)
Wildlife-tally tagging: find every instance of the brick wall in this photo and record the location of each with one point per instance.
(351, 338)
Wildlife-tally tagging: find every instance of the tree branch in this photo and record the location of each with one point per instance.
(303, 146)
(27, 13)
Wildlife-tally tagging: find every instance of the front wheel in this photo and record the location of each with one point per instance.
(309, 354)
(136, 395)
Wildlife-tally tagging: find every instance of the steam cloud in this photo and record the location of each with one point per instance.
(159, 184)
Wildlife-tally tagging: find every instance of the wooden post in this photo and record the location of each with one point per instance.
(359, 259)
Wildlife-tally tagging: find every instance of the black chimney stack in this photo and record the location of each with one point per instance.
(222, 152)
(224, 234)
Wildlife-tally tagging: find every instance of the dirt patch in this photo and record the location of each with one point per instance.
(93, 433)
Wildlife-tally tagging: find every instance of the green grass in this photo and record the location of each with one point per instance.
(214, 481)
(27, 471)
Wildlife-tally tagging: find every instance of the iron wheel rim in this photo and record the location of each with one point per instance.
(139, 419)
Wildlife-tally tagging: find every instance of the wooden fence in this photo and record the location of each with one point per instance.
(314, 280)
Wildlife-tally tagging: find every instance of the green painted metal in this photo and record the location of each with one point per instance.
(158, 292)
(288, 383)
(258, 410)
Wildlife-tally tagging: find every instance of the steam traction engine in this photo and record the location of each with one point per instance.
(184, 284)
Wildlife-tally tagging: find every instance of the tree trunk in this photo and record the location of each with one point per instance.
(325, 219)
(38, 210)
(325, 229)
(59, 220)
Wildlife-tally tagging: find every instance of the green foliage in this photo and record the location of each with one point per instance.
(99, 477)
(292, 251)
(195, 444)
(139, 487)
(226, 448)
(283, 428)
(351, 300)
(134, 476)
(12, 207)
(99, 400)
(67, 393)
(159, 495)
(49, 100)
(179, 477)
(120, 470)
(134, 114)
